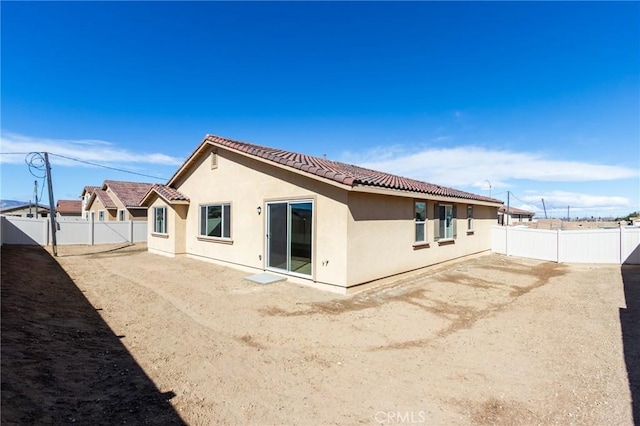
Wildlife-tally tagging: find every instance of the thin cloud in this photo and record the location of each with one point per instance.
(472, 166)
(575, 200)
(96, 151)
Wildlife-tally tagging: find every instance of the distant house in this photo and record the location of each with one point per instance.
(515, 216)
(69, 209)
(117, 201)
(314, 221)
(26, 210)
(87, 191)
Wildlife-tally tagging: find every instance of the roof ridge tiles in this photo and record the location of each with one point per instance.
(347, 174)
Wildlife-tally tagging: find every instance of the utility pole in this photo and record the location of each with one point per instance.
(35, 192)
(52, 211)
(568, 217)
(545, 209)
(508, 207)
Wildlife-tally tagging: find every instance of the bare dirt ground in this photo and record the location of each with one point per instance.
(119, 335)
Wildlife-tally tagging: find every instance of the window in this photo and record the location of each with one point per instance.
(444, 221)
(160, 220)
(121, 215)
(215, 221)
(101, 215)
(469, 218)
(420, 214)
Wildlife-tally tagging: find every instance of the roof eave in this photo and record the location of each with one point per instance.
(415, 194)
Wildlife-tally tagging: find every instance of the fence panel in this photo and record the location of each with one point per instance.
(630, 246)
(499, 239)
(24, 231)
(539, 244)
(73, 232)
(111, 232)
(619, 245)
(590, 246)
(28, 231)
(139, 231)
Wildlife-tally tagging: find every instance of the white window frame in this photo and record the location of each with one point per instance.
(225, 222)
(101, 216)
(163, 231)
(469, 218)
(120, 215)
(437, 220)
(420, 222)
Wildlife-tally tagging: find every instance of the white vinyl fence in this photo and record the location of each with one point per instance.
(27, 231)
(618, 245)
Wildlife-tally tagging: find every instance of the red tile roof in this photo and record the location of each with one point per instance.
(69, 207)
(346, 174)
(169, 193)
(129, 193)
(89, 189)
(104, 198)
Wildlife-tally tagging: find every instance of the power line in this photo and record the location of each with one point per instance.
(106, 167)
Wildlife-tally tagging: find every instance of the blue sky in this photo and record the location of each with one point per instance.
(540, 99)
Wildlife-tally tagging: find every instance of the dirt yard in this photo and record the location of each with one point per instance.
(119, 335)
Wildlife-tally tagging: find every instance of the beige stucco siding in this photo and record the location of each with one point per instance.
(247, 184)
(97, 206)
(381, 232)
(162, 243)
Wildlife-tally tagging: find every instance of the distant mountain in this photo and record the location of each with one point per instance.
(7, 204)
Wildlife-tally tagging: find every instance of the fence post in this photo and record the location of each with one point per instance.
(620, 245)
(558, 245)
(506, 240)
(131, 231)
(45, 222)
(91, 228)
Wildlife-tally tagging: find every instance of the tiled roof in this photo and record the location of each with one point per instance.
(169, 193)
(346, 174)
(513, 210)
(129, 193)
(69, 206)
(104, 198)
(89, 189)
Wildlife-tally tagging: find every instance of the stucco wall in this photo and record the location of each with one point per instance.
(381, 232)
(247, 184)
(97, 205)
(164, 244)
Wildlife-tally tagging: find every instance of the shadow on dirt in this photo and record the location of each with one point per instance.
(630, 324)
(61, 363)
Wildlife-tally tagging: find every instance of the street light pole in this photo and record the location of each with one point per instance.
(487, 180)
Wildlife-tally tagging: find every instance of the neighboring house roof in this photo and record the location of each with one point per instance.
(129, 193)
(23, 206)
(104, 198)
(170, 195)
(69, 207)
(513, 210)
(346, 174)
(89, 189)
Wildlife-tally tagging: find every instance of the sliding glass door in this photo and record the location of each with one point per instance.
(289, 236)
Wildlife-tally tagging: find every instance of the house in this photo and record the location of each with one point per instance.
(26, 210)
(117, 200)
(515, 216)
(87, 191)
(69, 209)
(314, 221)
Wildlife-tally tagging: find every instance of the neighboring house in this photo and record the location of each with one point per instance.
(69, 209)
(118, 200)
(319, 222)
(87, 191)
(26, 210)
(515, 216)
